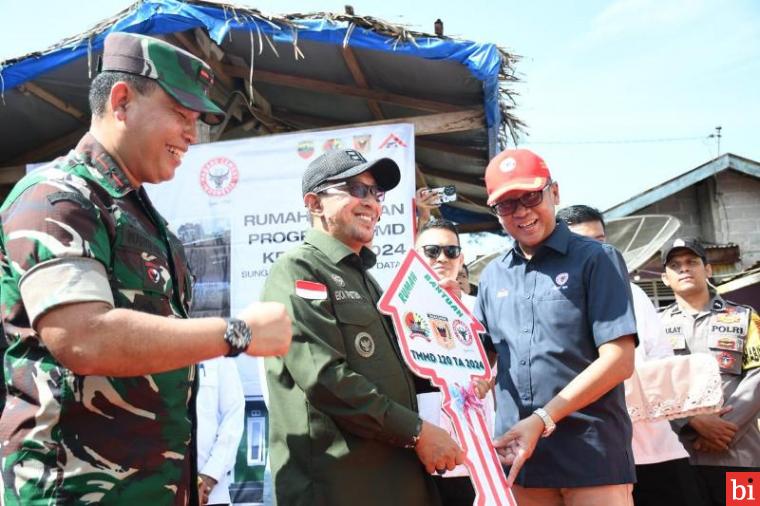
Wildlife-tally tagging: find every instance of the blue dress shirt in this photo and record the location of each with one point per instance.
(546, 318)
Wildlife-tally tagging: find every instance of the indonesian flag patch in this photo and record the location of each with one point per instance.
(311, 290)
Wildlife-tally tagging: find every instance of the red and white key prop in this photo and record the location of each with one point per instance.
(439, 340)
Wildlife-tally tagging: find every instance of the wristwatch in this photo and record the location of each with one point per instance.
(416, 437)
(237, 336)
(549, 424)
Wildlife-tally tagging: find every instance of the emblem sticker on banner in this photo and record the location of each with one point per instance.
(417, 326)
(219, 176)
(442, 331)
(365, 345)
(332, 145)
(392, 141)
(462, 332)
(305, 149)
(362, 143)
(311, 290)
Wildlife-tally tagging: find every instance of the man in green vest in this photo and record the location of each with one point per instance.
(95, 294)
(344, 428)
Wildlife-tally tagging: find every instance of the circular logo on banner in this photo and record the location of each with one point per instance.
(461, 332)
(219, 176)
(365, 345)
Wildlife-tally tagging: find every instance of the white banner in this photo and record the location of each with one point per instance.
(237, 206)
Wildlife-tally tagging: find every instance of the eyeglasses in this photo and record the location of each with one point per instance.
(432, 251)
(356, 189)
(507, 207)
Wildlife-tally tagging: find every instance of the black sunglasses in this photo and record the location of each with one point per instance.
(507, 207)
(356, 189)
(433, 251)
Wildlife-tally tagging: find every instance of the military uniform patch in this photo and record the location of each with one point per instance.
(347, 295)
(365, 345)
(311, 290)
(726, 361)
(729, 343)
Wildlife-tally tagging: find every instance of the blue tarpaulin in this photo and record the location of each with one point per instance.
(168, 16)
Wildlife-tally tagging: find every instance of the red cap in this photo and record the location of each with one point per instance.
(515, 170)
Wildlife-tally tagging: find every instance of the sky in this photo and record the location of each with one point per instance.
(619, 96)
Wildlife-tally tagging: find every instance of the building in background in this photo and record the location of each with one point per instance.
(717, 202)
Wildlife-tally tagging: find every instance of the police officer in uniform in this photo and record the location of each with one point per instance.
(344, 428)
(700, 321)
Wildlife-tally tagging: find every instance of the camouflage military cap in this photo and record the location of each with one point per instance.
(182, 75)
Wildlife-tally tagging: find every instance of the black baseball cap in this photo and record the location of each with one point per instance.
(345, 163)
(690, 244)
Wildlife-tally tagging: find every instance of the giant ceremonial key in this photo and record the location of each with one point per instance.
(439, 340)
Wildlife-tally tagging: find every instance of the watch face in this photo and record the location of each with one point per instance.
(238, 336)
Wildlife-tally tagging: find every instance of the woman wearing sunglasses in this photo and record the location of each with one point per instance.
(438, 244)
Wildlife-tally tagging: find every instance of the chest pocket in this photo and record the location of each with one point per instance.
(560, 288)
(185, 277)
(369, 350)
(727, 349)
(140, 273)
(725, 338)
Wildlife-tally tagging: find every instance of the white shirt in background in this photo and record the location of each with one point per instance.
(220, 408)
(653, 442)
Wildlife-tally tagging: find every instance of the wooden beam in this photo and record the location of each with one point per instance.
(342, 89)
(455, 177)
(463, 121)
(360, 80)
(429, 124)
(46, 96)
(480, 154)
(44, 152)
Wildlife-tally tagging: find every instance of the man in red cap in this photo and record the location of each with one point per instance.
(558, 310)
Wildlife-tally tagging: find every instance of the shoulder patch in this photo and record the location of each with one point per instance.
(75, 197)
(751, 356)
(311, 290)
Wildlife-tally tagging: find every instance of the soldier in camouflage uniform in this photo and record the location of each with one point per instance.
(95, 291)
